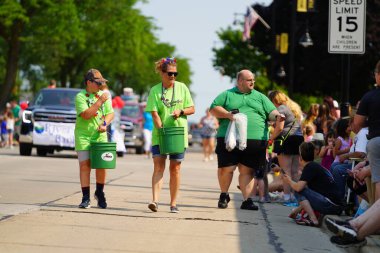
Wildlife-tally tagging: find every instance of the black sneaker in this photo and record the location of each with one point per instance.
(345, 242)
(341, 228)
(99, 196)
(86, 203)
(224, 198)
(249, 205)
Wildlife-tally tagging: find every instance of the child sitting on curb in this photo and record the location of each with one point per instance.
(315, 191)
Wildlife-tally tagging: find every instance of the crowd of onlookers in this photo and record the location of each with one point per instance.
(334, 169)
(10, 121)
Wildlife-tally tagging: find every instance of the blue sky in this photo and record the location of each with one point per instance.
(191, 27)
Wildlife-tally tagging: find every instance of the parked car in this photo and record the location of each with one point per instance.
(131, 121)
(49, 121)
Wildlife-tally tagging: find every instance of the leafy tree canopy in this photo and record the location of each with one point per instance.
(46, 39)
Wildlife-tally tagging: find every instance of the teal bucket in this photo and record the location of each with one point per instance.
(171, 140)
(103, 155)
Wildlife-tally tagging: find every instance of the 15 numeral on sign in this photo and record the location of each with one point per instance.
(351, 25)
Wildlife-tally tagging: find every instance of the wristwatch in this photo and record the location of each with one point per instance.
(182, 112)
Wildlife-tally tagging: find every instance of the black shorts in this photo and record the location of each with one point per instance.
(290, 146)
(254, 156)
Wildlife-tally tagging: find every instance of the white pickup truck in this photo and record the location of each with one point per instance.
(49, 121)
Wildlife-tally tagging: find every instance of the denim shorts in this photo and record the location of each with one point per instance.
(177, 157)
(318, 202)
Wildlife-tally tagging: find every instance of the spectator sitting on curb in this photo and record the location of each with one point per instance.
(358, 179)
(315, 191)
(357, 153)
(353, 232)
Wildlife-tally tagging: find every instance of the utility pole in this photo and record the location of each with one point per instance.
(293, 28)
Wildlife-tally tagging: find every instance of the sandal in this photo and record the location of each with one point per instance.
(293, 215)
(153, 206)
(307, 222)
(297, 216)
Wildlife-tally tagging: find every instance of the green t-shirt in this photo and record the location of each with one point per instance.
(181, 100)
(16, 112)
(255, 105)
(86, 130)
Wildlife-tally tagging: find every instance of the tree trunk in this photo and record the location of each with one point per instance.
(12, 62)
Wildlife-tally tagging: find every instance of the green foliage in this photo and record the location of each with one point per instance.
(306, 100)
(63, 39)
(236, 55)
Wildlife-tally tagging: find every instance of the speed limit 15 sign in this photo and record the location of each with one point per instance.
(347, 26)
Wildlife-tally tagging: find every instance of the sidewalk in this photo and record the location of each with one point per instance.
(128, 225)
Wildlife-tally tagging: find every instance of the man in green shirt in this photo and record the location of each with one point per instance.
(16, 114)
(259, 110)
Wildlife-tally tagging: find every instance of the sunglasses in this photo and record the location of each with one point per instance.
(97, 82)
(172, 73)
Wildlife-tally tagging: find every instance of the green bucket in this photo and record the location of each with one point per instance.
(103, 155)
(171, 140)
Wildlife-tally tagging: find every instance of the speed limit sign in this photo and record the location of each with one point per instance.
(347, 26)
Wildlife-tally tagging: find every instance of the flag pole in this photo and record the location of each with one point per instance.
(263, 22)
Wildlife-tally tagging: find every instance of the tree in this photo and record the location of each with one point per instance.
(46, 40)
(236, 55)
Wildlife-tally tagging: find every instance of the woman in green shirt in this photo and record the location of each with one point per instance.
(94, 114)
(169, 102)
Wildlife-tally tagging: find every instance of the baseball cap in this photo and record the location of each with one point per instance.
(95, 75)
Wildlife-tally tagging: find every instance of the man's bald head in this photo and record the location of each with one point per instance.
(245, 81)
(243, 74)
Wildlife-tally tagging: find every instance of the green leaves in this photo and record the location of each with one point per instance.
(63, 39)
(236, 55)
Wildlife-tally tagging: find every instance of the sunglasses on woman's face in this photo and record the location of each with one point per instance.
(172, 73)
(97, 82)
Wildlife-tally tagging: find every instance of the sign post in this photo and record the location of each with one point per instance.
(347, 29)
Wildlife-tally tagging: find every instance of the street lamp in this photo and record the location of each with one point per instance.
(306, 40)
(281, 72)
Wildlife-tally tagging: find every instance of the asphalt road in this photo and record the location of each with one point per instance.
(39, 198)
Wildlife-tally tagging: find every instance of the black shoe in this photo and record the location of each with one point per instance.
(99, 196)
(341, 228)
(344, 242)
(86, 203)
(224, 198)
(249, 205)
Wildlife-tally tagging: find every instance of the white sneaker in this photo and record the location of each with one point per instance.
(211, 158)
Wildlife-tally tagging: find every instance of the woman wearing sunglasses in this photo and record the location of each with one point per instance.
(170, 103)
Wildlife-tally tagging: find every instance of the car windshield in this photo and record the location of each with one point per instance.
(56, 97)
(132, 111)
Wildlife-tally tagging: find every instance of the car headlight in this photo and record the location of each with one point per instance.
(27, 117)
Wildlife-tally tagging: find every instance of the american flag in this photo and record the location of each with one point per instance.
(250, 20)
